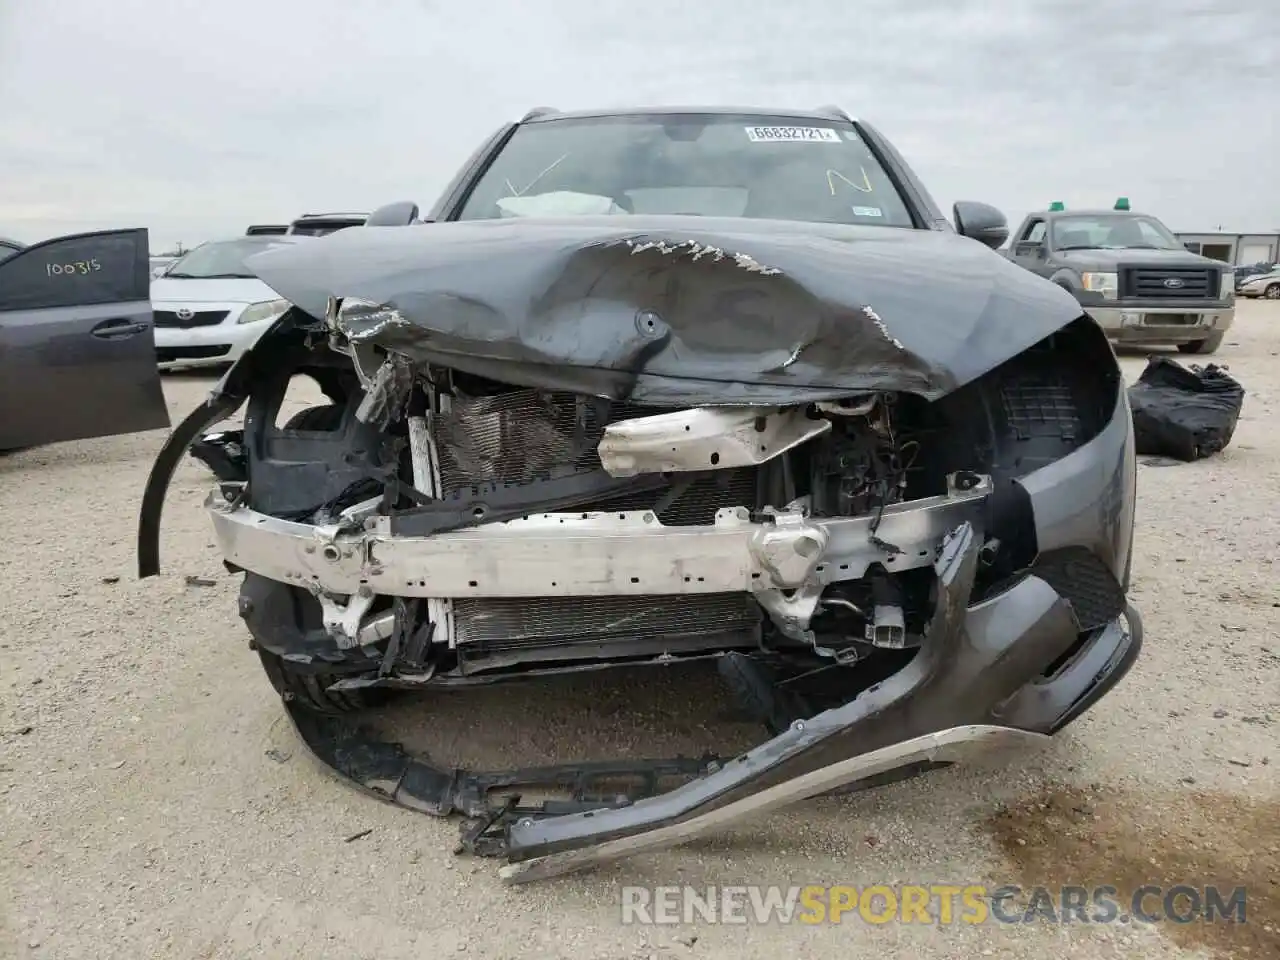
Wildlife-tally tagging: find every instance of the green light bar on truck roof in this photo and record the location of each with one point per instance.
(1122, 203)
(1057, 205)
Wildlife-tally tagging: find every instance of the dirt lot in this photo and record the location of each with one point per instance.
(154, 803)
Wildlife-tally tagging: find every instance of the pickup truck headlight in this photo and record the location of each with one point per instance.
(1227, 289)
(1106, 284)
(263, 310)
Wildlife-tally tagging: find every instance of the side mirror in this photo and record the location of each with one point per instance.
(1030, 248)
(981, 222)
(398, 214)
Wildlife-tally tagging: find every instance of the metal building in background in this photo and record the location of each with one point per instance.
(1234, 248)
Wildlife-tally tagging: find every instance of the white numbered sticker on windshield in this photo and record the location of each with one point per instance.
(792, 135)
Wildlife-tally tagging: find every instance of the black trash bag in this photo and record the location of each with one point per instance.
(1181, 413)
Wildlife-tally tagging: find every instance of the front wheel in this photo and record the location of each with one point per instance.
(302, 664)
(1209, 344)
(1272, 292)
(312, 690)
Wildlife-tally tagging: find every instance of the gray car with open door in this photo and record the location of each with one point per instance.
(77, 351)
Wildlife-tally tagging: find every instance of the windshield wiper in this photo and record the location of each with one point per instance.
(1082, 246)
(180, 276)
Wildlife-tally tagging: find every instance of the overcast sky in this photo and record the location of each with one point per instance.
(198, 117)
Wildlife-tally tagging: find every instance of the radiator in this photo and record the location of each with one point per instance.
(520, 437)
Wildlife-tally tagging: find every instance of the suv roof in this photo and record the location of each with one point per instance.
(829, 113)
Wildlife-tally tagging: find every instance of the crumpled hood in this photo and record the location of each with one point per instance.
(682, 310)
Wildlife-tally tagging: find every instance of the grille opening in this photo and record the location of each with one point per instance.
(169, 354)
(176, 319)
(1169, 283)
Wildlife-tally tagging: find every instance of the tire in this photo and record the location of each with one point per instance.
(327, 417)
(1209, 344)
(311, 691)
(756, 690)
(1272, 292)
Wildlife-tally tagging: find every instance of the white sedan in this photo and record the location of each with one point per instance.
(209, 308)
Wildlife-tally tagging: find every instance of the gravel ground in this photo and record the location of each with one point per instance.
(154, 802)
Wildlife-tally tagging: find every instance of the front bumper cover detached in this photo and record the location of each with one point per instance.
(977, 683)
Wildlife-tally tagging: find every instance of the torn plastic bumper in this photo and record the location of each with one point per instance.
(1010, 669)
(954, 745)
(972, 670)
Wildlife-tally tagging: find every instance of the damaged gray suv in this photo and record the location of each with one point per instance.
(654, 386)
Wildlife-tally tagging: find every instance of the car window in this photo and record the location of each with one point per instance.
(1151, 234)
(79, 270)
(1035, 232)
(1112, 231)
(696, 165)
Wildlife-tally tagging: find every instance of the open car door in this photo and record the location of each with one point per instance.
(77, 350)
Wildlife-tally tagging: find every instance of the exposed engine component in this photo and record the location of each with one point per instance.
(487, 434)
(888, 626)
(472, 440)
(492, 434)
(461, 452)
(859, 467)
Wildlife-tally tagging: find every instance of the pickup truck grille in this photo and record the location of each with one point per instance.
(198, 318)
(1169, 283)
